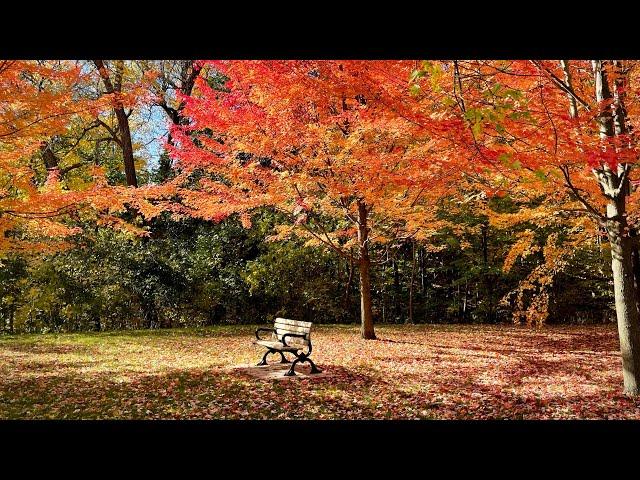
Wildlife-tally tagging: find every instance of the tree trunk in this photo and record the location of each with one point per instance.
(347, 288)
(615, 186)
(465, 300)
(396, 291)
(413, 277)
(149, 313)
(421, 251)
(366, 312)
(50, 159)
(625, 295)
(573, 106)
(127, 147)
(486, 280)
(165, 164)
(124, 137)
(635, 262)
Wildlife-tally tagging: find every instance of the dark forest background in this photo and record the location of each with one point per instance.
(196, 273)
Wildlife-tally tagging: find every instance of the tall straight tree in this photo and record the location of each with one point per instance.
(336, 145)
(562, 129)
(122, 136)
(614, 180)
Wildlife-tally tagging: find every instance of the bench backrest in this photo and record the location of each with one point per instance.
(285, 325)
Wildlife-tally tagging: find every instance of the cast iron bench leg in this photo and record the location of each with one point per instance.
(314, 369)
(284, 359)
(302, 359)
(264, 358)
(292, 372)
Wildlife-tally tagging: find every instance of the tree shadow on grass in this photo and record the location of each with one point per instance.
(523, 367)
(586, 344)
(47, 348)
(590, 343)
(348, 393)
(389, 340)
(209, 394)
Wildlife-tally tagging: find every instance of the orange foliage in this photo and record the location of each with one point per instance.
(316, 139)
(533, 145)
(519, 119)
(37, 102)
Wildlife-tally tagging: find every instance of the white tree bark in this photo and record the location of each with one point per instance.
(615, 187)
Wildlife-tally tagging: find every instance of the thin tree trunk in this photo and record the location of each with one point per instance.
(384, 289)
(50, 159)
(149, 313)
(366, 311)
(421, 251)
(465, 300)
(488, 284)
(573, 106)
(124, 137)
(635, 259)
(165, 164)
(127, 147)
(396, 291)
(413, 277)
(347, 289)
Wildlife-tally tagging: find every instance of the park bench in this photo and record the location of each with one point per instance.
(288, 336)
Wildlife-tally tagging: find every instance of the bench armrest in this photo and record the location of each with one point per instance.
(298, 335)
(263, 329)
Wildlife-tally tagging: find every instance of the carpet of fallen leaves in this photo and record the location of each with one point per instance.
(410, 372)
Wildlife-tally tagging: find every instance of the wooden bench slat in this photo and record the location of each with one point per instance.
(282, 326)
(285, 325)
(276, 345)
(294, 340)
(290, 329)
(294, 323)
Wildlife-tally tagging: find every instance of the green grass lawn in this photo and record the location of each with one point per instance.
(422, 371)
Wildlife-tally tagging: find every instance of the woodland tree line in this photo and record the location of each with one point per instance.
(195, 273)
(148, 194)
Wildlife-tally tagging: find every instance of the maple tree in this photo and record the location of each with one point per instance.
(334, 144)
(48, 184)
(566, 129)
(543, 223)
(35, 104)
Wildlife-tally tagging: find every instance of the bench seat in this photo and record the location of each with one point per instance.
(277, 345)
